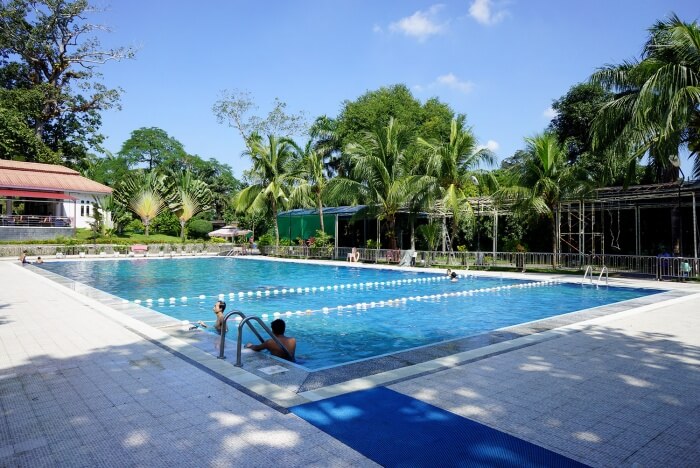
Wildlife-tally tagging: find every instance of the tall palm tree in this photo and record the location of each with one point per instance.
(452, 166)
(380, 175)
(540, 181)
(271, 174)
(143, 194)
(311, 180)
(187, 197)
(657, 103)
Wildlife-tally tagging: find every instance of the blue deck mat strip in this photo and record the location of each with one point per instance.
(396, 430)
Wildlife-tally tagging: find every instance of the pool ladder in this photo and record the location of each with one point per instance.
(589, 273)
(246, 321)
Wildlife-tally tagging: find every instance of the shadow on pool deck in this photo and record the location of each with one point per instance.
(601, 396)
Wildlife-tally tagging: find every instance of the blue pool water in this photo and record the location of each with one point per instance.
(347, 313)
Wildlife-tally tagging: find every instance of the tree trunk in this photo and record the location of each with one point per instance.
(146, 222)
(320, 213)
(392, 231)
(274, 217)
(182, 230)
(554, 241)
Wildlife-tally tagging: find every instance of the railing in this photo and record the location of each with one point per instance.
(246, 321)
(111, 250)
(588, 273)
(600, 276)
(653, 266)
(224, 329)
(35, 221)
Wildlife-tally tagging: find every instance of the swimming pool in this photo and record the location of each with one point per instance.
(338, 314)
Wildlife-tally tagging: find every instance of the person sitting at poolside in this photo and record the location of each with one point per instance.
(218, 309)
(278, 328)
(23, 257)
(449, 273)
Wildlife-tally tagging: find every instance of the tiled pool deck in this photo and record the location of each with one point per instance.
(86, 380)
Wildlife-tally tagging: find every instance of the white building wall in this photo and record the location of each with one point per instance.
(81, 209)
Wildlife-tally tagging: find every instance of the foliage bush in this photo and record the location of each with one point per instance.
(322, 239)
(135, 225)
(266, 239)
(166, 223)
(199, 228)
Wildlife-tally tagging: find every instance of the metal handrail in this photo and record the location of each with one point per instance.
(604, 270)
(589, 270)
(224, 329)
(266, 328)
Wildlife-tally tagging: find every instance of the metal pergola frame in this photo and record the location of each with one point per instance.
(581, 213)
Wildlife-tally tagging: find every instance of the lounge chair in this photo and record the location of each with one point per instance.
(354, 256)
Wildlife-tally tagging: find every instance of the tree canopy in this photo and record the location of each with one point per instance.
(49, 54)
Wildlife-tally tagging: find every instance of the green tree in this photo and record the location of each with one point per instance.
(50, 49)
(452, 166)
(143, 195)
(371, 113)
(311, 180)
(541, 181)
(656, 107)
(381, 175)
(109, 169)
(187, 197)
(152, 146)
(270, 177)
(575, 112)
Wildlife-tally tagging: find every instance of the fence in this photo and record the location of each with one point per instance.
(650, 266)
(14, 250)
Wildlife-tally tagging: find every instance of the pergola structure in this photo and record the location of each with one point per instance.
(610, 215)
(666, 212)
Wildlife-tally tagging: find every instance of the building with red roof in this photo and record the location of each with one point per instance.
(43, 201)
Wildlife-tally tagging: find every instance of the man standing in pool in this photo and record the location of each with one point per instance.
(218, 309)
(278, 327)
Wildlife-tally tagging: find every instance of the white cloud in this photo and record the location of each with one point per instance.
(421, 24)
(484, 12)
(449, 81)
(452, 82)
(490, 145)
(550, 113)
(377, 29)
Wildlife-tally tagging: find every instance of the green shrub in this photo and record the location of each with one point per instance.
(135, 225)
(322, 239)
(266, 239)
(166, 223)
(199, 228)
(218, 240)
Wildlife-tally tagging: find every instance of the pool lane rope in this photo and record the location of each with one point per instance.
(403, 300)
(243, 295)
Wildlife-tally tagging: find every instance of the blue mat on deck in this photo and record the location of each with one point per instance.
(396, 430)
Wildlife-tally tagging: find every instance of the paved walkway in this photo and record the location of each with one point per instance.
(77, 388)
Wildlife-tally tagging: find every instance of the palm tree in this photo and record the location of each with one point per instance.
(187, 197)
(312, 182)
(143, 194)
(657, 104)
(271, 174)
(540, 181)
(380, 176)
(451, 169)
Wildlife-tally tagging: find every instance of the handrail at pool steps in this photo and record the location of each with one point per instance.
(589, 273)
(246, 321)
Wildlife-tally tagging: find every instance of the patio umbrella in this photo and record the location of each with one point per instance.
(229, 231)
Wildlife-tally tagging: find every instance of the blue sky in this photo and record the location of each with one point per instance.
(500, 62)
